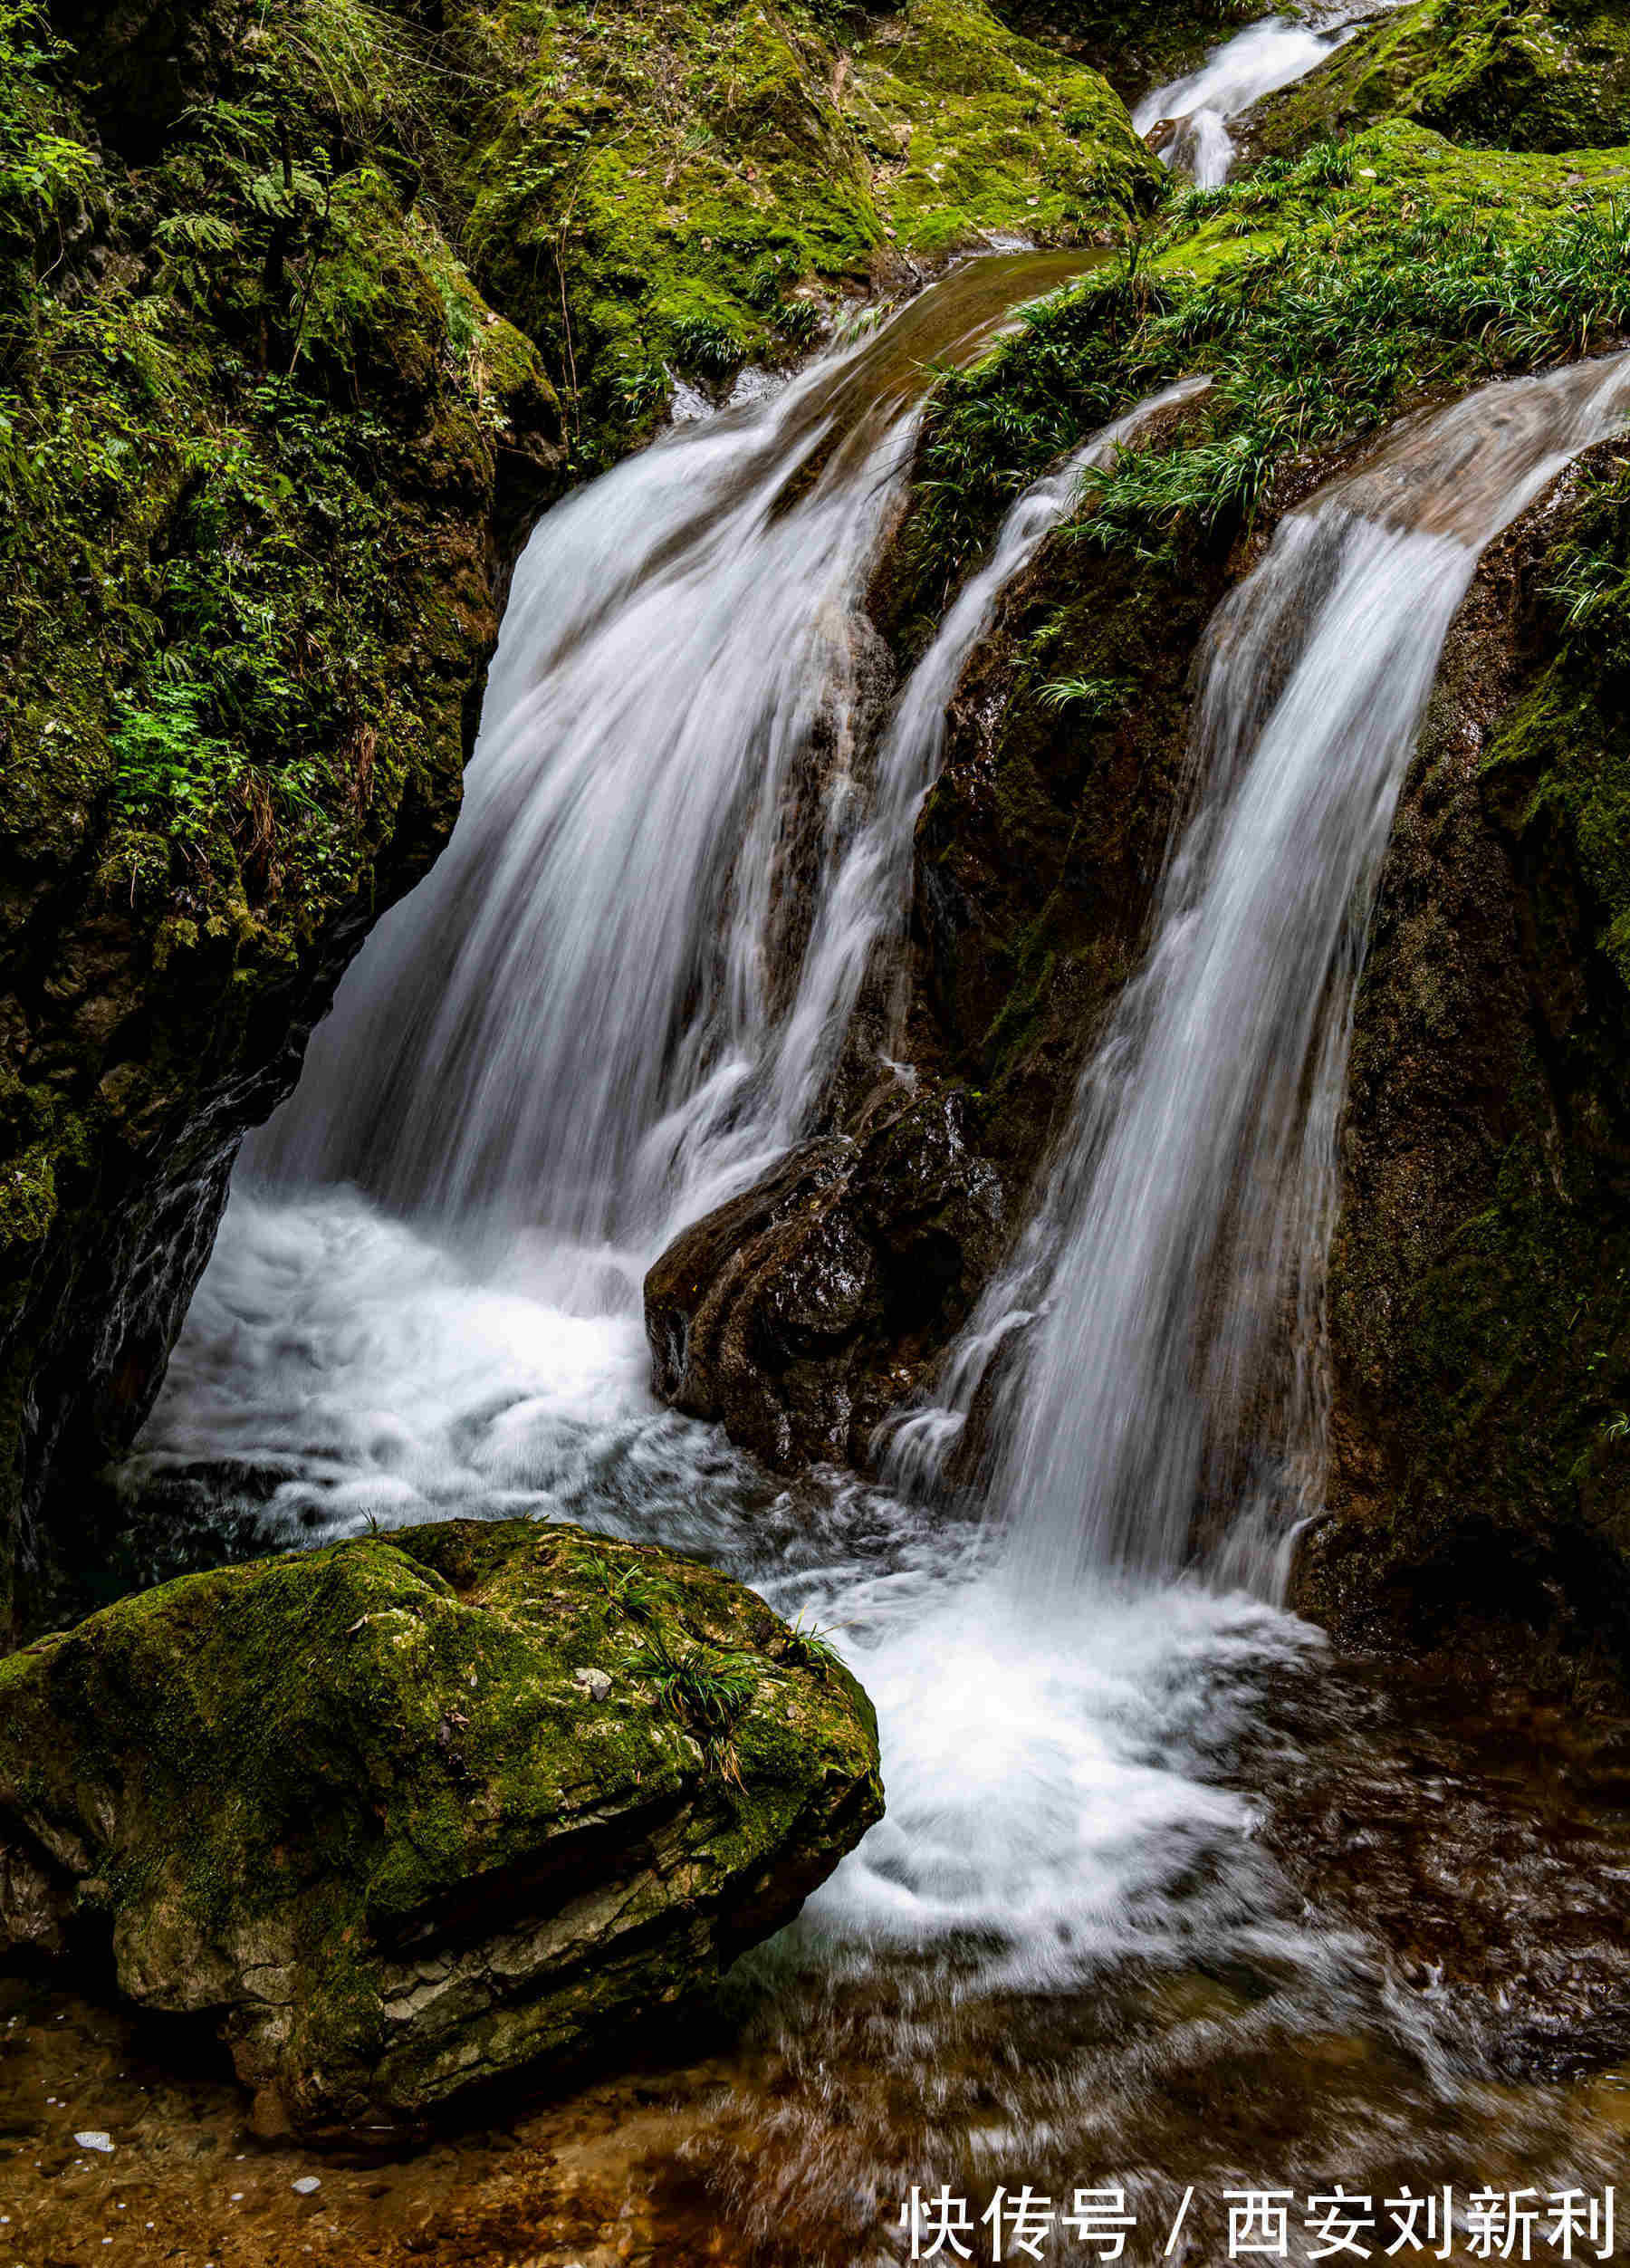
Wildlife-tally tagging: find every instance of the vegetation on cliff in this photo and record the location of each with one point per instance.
(1546, 75)
(1321, 294)
(252, 416)
(1324, 295)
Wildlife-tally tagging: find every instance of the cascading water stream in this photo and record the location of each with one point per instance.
(1197, 108)
(1162, 1404)
(623, 991)
(620, 994)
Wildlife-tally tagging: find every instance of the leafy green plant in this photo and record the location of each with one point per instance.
(808, 1646)
(799, 322)
(1098, 697)
(639, 388)
(708, 344)
(174, 772)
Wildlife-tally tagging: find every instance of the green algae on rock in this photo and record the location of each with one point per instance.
(424, 1809)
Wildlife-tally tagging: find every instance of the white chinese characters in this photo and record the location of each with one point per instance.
(1018, 2225)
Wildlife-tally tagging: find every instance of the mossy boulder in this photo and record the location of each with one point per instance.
(691, 187)
(1544, 75)
(415, 1812)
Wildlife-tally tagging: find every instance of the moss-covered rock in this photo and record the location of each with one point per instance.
(1546, 75)
(416, 1812)
(688, 188)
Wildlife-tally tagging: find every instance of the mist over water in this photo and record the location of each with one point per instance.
(623, 992)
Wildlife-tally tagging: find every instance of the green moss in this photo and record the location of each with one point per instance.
(312, 1763)
(990, 132)
(1547, 75)
(680, 189)
(210, 479)
(27, 1197)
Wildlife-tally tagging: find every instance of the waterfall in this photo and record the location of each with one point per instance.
(630, 982)
(1160, 1398)
(623, 990)
(579, 999)
(688, 827)
(868, 899)
(1197, 109)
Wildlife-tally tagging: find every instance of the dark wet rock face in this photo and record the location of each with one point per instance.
(801, 1311)
(419, 1811)
(1479, 1491)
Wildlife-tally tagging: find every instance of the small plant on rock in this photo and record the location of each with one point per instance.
(707, 1692)
(633, 1588)
(808, 1646)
